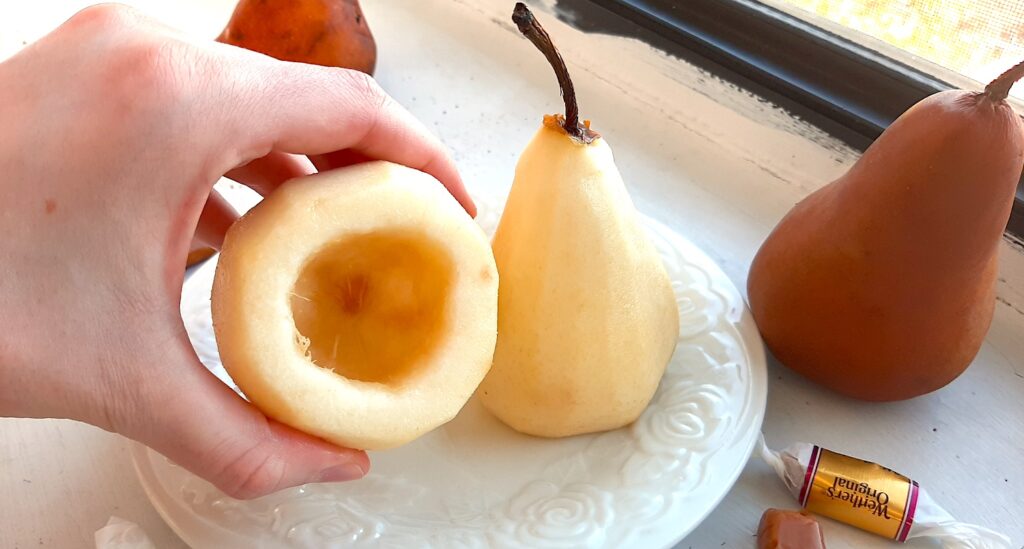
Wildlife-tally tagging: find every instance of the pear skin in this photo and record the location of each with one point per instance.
(881, 285)
(587, 319)
(332, 33)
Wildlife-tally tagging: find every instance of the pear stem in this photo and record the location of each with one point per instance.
(999, 88)
(531, 29)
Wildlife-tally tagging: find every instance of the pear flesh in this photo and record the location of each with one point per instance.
(587, 319)
(358, 305)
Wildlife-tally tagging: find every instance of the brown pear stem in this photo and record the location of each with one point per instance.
(999, 88)
(531, 29)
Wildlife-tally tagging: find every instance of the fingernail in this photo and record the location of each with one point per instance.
(341, 473)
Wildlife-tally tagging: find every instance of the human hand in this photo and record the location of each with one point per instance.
(114, 130)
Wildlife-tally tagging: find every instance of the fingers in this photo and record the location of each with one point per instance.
(214, 221)
(312, 110)
(200, 424)
(265, 174)
(338, 159)
(262, 175)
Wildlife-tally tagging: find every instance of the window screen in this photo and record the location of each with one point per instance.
(976, 38)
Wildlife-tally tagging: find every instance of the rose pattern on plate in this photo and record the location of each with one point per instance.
(681, 421)
(544, 515)
(646, 470)
(699, 309)
(340, 527)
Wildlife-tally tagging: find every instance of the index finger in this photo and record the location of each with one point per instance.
(313, 110)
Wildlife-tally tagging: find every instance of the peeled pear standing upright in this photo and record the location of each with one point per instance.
(587, 319)
(881, 284)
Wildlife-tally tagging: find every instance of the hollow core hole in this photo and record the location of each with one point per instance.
(373, 305)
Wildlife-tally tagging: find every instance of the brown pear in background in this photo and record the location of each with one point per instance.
(332, 33)
(881, 284)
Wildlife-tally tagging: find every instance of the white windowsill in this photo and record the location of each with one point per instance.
(715, 163)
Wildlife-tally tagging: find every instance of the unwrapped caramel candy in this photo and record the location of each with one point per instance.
(789, 530)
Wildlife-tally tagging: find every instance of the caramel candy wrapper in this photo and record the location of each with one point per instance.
(872, 498)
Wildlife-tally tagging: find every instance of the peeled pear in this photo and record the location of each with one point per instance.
(881, 284)
(587, 319)
(358, 305)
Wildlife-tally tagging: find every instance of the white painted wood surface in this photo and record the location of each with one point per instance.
(714, 162)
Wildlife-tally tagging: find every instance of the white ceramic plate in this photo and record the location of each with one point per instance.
(476, 483)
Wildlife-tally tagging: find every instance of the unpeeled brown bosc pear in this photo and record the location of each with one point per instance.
(587, 319)
(881, 285)
(332, 33)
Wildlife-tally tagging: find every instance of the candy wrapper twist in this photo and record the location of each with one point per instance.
(871, 497)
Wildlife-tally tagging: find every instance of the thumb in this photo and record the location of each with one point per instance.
(195, 420)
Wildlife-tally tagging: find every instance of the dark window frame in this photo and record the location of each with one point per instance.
(843, 87)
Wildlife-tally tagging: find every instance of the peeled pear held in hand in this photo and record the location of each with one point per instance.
(587, 319)
(881, 285)
(358, 305)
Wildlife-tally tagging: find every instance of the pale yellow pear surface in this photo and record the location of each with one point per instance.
(358, 305)
(587, 319)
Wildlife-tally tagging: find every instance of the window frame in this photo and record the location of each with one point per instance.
(847, 89)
